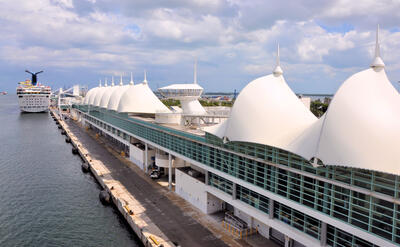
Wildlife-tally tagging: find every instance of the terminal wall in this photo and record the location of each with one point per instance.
(138, 156)
(191, 189)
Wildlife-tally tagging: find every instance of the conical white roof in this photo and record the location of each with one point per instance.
(107, 95)
(266, 112)
(99, 94)
(360, 128)
(93, 95)
(116, 97)
(87, 97)
(141, 99)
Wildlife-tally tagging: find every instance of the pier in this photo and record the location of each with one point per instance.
(159, 217)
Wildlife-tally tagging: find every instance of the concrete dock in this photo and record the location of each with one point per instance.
(159, 217)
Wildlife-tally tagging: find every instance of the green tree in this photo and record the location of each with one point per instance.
(318, 108)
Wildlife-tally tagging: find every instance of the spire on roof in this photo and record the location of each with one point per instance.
(120, 81)
(145, 78)
(278, 70)
(105, 82)
(112, 81)
(131, 82)
(377, 62)
(99, 82)
(195, 72)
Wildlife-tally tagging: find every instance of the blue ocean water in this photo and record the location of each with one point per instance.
(45, 199)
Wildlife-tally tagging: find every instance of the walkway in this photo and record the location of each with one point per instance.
(161, 205)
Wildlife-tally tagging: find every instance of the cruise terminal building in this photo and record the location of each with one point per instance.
(297, 179)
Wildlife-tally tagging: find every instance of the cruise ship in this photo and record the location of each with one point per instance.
(270, 164)
(32, 96)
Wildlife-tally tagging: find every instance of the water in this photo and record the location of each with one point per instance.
(45, 199)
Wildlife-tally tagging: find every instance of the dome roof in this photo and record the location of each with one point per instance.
(106, 96)
(141, 99)
(115, 97)
(93, 95)
(89, 93)
(360, 128)
(266, 112)
(182, 87)
(99, 95)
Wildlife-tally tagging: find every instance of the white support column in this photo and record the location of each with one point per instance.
(271, 209)
(169, 171)
(146, 162)
(288, 241)
(234, 191)
(268, 231)
(324, 228)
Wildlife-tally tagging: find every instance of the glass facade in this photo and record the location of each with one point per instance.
(252, 198)
(220, 183)
(339, 238)
(298, 220)
(284, 174)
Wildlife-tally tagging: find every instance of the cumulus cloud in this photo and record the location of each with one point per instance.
(322, 42)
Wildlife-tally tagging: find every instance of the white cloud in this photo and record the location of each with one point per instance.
(64, 3)
(314, 47)
(234, 40)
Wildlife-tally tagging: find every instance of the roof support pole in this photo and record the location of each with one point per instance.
(324, 228)
(146, 162)
(271, 209)
(288, 241)
(234, 191)
(169, 171)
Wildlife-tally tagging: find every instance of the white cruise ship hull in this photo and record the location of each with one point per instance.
(34, 102)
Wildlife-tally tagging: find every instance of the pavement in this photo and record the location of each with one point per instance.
(183, 224)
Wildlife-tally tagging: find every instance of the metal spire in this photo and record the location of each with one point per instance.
(145, 78)
(105, 83)
(195, 72)
(99, 82)
(377, 62)
(120, 81)
(112, 81)
(131, 82)
(278, 70)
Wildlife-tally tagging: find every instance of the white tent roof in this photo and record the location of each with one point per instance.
(116, 97)
(99, 95)
(141, 99)
(266, 112)
(93, 95)
(107, 95)
(361, 127)
(89, 93)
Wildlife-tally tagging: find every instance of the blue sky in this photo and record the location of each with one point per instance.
(79, 42)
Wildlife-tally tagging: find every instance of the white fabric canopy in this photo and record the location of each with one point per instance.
(266, 112)
(360, 129)
(116, 97)
(87, 96)
(93, 95)
(107, 95)
(99, 95)
(141, 99)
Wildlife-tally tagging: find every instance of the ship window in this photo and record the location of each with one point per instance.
(19, 96)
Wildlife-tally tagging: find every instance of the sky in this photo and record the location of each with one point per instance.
(82, 41)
